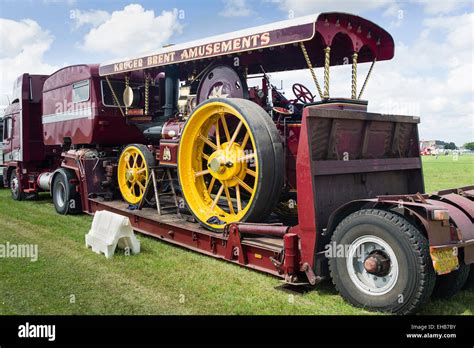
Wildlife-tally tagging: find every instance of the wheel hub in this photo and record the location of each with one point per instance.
(224, 163)
(130, 175)
(372, 265)
(377, 264)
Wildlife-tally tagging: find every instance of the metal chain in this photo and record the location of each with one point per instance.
(354, 76)
(147, 88)
(310, 67)
(367, 78)
(327, 62)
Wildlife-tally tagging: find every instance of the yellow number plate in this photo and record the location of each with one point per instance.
(444, 260)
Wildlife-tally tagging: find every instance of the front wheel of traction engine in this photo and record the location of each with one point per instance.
(230, 163)
(384, 264)
(133, 172)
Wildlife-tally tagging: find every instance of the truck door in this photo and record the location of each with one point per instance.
(11, 138)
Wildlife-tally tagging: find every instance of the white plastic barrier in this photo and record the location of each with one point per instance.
(110, 230)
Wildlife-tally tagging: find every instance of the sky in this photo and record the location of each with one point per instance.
(431, 75)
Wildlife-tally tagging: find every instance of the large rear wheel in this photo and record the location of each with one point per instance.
(230, 163)
(134, 171)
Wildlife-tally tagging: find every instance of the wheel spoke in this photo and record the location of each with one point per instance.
(135, 161)
(226, 129)
(201, 173)
(251, 172)
(141, 171)
(218, 196)
(243, 184)
(234, 136)
(246, 139)
(211, 185)
(207, 141)
(239, 202)
(206, 157)
(140, 185)
(218, 137)
(229, 199)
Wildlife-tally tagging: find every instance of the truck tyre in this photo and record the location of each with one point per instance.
(448, 285)
(15, 187)
(381, 262)
(65, 198)
(470, 278)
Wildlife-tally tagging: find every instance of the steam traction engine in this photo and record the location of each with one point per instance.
(276, 183)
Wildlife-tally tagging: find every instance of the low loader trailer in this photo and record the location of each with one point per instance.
(304, 188)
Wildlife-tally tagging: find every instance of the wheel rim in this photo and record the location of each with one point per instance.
(371, 284)
(218, 164)
(61, 194)
(132, 174)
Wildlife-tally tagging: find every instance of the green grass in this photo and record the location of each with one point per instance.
(158, 279)
(448, 172)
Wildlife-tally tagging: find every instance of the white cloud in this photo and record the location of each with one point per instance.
(55, 2)
(302, 7)
(236, 8)
(132, 29)
(431, 78)
(22, 46)
(433, 7)
(92, 17)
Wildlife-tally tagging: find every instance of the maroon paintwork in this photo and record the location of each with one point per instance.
(25, 151)
(104, 126)
(345, 33)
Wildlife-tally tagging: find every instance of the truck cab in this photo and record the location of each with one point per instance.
(23, 151)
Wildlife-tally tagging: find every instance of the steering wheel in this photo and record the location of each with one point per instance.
(302, 93)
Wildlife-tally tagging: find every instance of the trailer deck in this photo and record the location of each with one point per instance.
(255, 252)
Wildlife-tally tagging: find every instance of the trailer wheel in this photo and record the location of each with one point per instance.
(448, 285)
(15, 187)
(65, 198)
(133, 172)
(381, 262)
(470, 278)
(230, 163)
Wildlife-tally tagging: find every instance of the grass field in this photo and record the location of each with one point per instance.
(162, 279)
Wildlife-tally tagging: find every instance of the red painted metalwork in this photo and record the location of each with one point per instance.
(231, 246)
(84, 122)
(345, 33)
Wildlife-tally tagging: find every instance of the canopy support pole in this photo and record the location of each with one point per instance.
(354, 76)
(327, 63)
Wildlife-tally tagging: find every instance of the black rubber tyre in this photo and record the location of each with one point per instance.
(416, 277)
(470, 279)
(65, 198)
(269, 148)
(15, 187)
(448, 285)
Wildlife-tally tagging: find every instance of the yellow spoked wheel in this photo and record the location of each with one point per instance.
(133, 172)
(230, 163)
